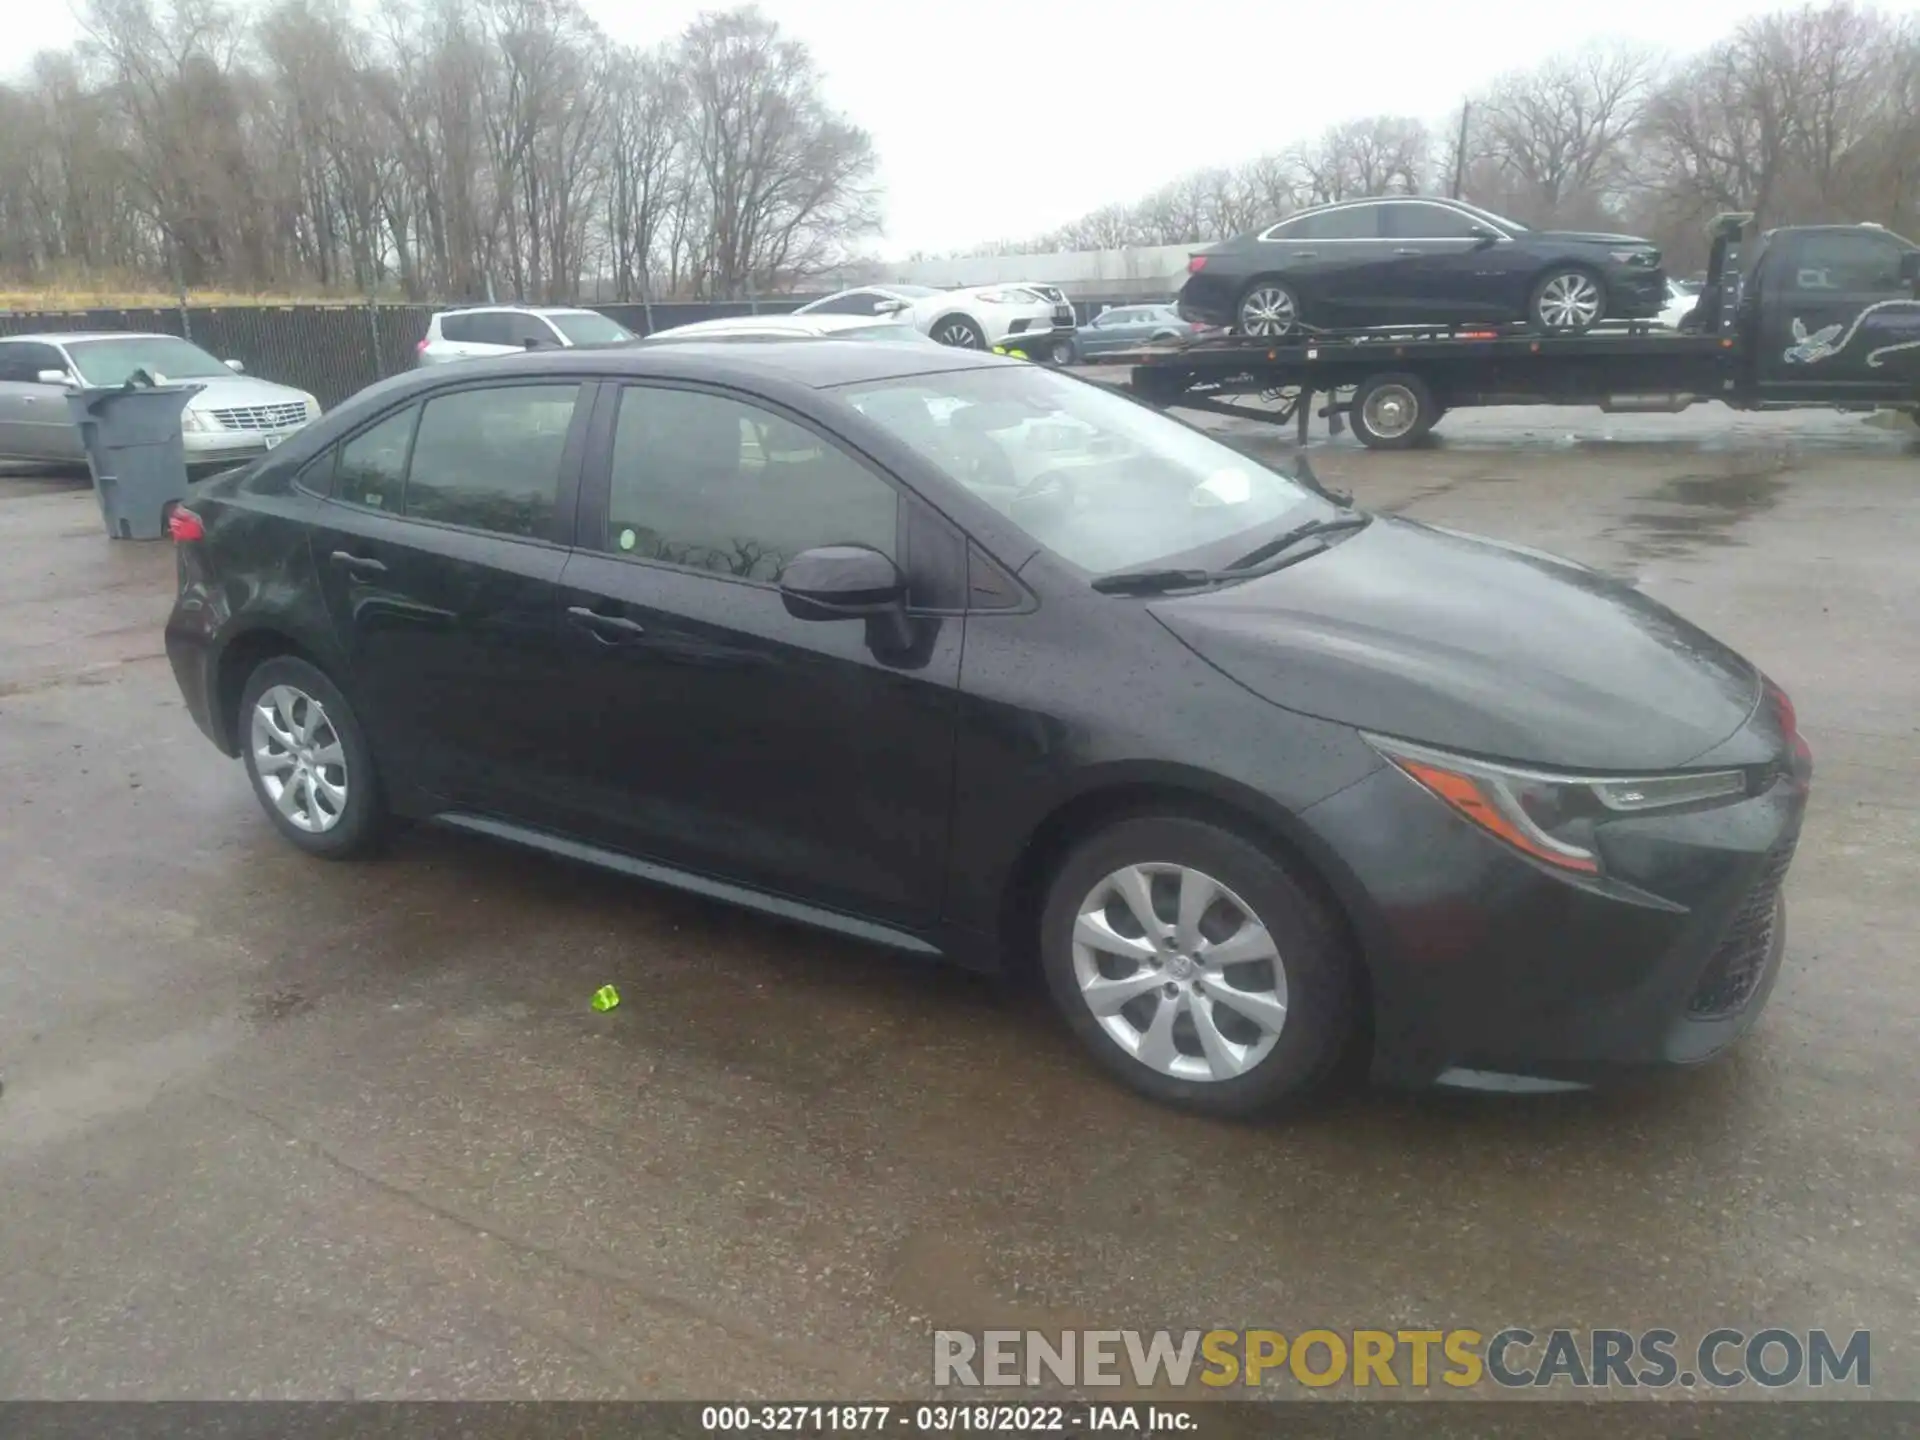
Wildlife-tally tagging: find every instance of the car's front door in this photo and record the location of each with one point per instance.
(713, 730)
(1109, 330)
(1437, 269)
(1837, 318)
(35, 423)
(439, 554)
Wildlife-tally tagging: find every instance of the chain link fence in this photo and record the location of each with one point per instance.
(333, 350)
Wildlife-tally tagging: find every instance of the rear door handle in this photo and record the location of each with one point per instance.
(358, 564)
(604, 626)
(1306, 254)
(1405, 250)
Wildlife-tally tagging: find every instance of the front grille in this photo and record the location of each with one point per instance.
(261, 417)
(1739, 961)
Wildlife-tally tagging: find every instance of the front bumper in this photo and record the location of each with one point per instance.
(1634, 293)
(1484, 962)
(219, 447)
(1051, 346)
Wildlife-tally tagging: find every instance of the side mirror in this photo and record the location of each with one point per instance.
(1910, 267)
(235, 366)
(890, 307)
(1484, 234)
(849, 582)
(54, 377)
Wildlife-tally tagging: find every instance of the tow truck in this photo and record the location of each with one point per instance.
(1805, 316)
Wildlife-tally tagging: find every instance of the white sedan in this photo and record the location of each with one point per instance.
(978, 318)
(795, 326)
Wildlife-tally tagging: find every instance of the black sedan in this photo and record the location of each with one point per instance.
(1419, 261)
(970, 658)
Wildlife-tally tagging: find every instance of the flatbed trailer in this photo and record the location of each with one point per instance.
(1806, 321)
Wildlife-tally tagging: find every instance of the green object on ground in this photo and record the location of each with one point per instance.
(605, 998)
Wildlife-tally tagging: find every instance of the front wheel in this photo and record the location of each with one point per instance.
(1567, 302)
(308, 760)
(1196, 968)
(960, 332)
(1392, 412)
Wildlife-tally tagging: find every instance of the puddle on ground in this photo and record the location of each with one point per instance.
(1691, 512)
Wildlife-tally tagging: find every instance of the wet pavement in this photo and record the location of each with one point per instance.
(272, 1127)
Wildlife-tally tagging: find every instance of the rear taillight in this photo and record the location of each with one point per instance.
(1789, 721)
(421, 348)
(183, 526)
(1196, 263)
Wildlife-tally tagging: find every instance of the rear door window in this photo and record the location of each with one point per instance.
(489, 459)
(372, 472)
(460, 329)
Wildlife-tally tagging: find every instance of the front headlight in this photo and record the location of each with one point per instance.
(192, 422)
(1009, 297)
(313, 407)
(1549, 816)
(1640, 259)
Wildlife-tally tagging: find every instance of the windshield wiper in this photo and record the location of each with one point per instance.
(1259, 561)
(1332, 525)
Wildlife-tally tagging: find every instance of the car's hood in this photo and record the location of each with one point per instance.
(1474, 646)
(231, 392)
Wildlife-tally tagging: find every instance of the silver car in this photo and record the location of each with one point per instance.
(509, 329)
(232, 418)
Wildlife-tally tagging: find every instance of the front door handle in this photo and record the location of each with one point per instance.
(1306, 254)
(605, 626)
(358, 564)
(1405, 250)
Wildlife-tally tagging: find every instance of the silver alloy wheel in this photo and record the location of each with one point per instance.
(960, 333)
(1268, 311)
(298, 755)
(1391, 411)
(1180, 971)
(1569, 301)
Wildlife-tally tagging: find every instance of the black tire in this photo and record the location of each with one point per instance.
(958, 331)
(1064, 352)
(1321, 977)
(357, 824)
(1283, 298)
(1392, 411)
(1560, 324)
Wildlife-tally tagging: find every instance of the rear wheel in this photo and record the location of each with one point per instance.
(1568, 301)
(308, 760)
(1391, 412)
(1195, 968)
(1268, 310)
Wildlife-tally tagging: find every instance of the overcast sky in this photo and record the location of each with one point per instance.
(1006, 118)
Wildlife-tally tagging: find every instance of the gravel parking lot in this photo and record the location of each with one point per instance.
(272, 1127)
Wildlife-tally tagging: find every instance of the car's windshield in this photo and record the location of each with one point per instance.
(583, 327)
(1103, 482)
(113, 361)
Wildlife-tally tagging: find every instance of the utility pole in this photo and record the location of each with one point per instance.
(1460, 150)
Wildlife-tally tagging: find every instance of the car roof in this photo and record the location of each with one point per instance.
(792, 323)
(67, 337)
(517, 310)
(813, 362)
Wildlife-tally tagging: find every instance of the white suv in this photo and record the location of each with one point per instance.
(510, 329)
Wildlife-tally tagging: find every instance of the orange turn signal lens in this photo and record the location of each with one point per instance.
(1486, 805)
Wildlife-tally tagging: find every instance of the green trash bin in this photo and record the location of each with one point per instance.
(131, 434)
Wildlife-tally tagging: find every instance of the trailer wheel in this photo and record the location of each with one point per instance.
(1391, 412)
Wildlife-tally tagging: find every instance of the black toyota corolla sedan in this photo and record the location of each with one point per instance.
(970, 658)
(1419, 260)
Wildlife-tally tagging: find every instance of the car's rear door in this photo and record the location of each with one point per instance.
(1836, 320)
(439, 553)
(1330, 256)
(715, 732)
(1436, 269)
